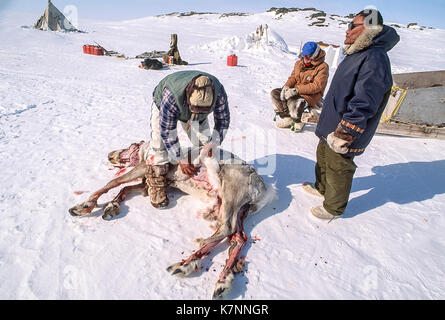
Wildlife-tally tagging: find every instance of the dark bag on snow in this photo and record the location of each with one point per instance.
(152, 64)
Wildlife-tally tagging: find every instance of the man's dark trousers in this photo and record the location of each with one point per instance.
(333, 178)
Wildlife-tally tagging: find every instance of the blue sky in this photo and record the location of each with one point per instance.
(425, 12)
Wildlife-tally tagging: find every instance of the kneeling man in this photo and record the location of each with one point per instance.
(187, 97)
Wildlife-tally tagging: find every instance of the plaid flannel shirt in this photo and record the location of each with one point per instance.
(168, 119)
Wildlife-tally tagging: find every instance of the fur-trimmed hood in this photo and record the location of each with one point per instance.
(380, 36)
(360, 89)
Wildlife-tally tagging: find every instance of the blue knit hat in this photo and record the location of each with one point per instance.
(310, 48)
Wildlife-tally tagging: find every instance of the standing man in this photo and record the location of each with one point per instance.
(188, 97)
(304, 88)
(352, 109)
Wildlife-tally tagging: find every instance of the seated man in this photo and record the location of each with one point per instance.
(187, 97)
(304, 88)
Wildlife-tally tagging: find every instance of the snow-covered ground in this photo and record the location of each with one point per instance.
(62, 111)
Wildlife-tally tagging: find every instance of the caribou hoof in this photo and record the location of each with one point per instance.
(111, 210)
(184, 270)
(83, 208)
(223, 287)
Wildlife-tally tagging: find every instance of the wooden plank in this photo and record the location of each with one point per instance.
(412, 130)
(416, 80)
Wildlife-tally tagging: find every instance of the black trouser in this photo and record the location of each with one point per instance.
(333, 178)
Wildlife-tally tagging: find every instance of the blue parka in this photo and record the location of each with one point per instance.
(359, 92)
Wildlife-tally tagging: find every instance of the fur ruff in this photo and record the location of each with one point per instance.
(363, 41)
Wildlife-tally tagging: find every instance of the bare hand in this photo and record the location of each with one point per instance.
(187, 168)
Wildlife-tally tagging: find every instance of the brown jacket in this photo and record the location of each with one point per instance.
(310, 82)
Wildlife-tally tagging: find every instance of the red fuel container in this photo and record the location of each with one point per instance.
(98, 51)
(87, 49)
(232, 60)
(90, 49)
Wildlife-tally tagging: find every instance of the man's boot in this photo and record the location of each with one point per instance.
(321, 213)
(156, 176)
(297, 126)
(285, 123)
(309, 187)
(314, 116)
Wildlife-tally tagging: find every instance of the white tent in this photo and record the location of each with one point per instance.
(54, 20)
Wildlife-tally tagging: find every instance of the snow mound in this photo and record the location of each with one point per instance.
(269, 42)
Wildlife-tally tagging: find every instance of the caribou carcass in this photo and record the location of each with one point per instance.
(232, 189)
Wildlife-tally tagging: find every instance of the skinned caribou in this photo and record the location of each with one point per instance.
(232, 190)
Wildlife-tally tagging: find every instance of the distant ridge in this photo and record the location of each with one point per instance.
(319, 16)
(192, 13)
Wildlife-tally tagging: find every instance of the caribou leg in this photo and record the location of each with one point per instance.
(113, 207)
(237, 242)
(88, 206)
(193, 263)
